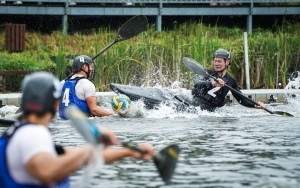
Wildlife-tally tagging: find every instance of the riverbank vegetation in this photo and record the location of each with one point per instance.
(155, 58)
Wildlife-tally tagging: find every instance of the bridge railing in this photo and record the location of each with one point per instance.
(158, 8)
(161, 1)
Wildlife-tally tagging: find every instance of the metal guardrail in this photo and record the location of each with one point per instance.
(263, 95)
(158, 8)
(161, 1)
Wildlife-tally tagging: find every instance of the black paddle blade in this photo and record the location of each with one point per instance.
(132, 27)
(283, 113)
(166, 161)
(194, 66)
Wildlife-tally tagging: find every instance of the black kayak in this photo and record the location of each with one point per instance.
(152, 97)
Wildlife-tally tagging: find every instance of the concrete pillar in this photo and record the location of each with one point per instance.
(158, 22)
(159, 17)
(249, 18)
(65, 24)
(65, 19)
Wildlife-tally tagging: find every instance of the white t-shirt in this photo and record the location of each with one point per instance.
(84, 87)
(27, 141)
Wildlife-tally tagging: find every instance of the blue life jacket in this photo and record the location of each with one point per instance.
(69, 97)
(6, 180)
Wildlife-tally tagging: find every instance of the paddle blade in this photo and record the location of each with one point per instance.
(132, 27)
(79, 120)
(194, 66)
(283, 113)
(166, 161)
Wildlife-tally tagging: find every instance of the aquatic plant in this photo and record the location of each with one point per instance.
(155, 58)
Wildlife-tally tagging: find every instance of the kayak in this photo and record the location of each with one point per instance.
(153, 96)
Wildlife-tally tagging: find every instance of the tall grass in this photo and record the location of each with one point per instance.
(155, 58)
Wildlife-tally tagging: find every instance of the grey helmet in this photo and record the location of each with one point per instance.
(40, 91)
(222, 54)
(79, 61)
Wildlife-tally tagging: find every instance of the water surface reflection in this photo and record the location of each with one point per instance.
(234, 147)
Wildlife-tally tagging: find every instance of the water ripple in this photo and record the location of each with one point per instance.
(235, 147)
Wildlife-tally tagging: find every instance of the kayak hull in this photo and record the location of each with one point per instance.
(152, 97)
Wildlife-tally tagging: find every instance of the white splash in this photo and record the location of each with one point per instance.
(294, 81)
(9, 112)
(293, 97)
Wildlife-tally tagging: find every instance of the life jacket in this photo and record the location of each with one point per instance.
(206, 95)
(69, 97)
(6, 180)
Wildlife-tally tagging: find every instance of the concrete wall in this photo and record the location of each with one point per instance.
(102, 97)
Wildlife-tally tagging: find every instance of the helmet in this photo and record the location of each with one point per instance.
(40, 91)
(222, 54)
(80, 61)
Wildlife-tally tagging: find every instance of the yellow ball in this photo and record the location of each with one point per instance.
(120, 103)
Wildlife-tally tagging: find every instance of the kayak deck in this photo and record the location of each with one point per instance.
(153, 97)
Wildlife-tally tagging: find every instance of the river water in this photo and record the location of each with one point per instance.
(234, 147)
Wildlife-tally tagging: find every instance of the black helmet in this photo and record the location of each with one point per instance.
(80, 61)
(40, 91)
(222, 54)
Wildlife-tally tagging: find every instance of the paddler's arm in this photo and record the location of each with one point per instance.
(114, 154)
(96, 110)
(108, 138)
(245, 102)
(73, 158)
(237, 95)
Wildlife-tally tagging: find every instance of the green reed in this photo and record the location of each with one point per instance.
(61, 60)
(155, 58)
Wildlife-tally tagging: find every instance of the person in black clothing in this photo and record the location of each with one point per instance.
(210, 94)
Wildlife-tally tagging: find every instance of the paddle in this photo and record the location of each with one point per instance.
(194, 66)
(130, 28)
(165, 160)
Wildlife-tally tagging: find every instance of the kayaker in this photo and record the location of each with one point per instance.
(210, 94)
(28, 155)
(78, 89)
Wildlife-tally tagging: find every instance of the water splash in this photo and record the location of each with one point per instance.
(167, 111)
(138, 109)
(292, 93)
(9, 112)
(294, 81)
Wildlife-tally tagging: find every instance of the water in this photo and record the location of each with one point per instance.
(294, 81)
(234, 147)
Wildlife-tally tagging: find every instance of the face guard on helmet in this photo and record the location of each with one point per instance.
(40, 92)
(84, 60)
